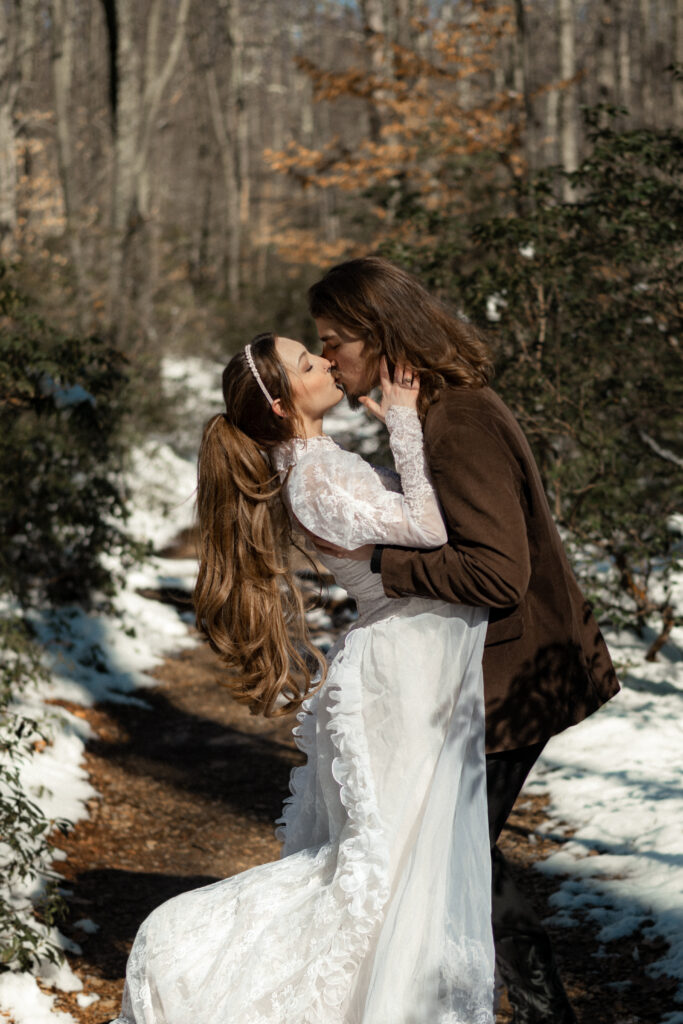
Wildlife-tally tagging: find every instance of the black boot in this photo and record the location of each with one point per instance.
(535, 990)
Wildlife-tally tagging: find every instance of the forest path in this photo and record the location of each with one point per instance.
(190, 785)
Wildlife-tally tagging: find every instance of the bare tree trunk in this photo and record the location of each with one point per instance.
(607, 70)
(241, 146)
(127, 132)
(404, 12)
(63, 18)
(569, 147)
(328, 222)
(9, 87)
(156, 80)
(228, 163)
(645, 48)
(377, 29)
(552, 126)
(522, 83)
(624, 53)
(141, 85)
(678, 58)
(29, 21)
(229, 119)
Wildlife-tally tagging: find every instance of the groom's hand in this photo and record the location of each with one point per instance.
(403, 390)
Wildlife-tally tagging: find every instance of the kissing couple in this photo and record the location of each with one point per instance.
(391, 902)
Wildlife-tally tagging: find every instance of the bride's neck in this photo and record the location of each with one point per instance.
(312, 427)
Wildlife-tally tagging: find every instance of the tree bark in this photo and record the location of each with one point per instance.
(552, 126)
(377, 29)
(678, 59)
(229, 117)
(569, 143)
(606, 56)
(9, 87)
(645, 56)
(140, 87)
(624, 53)
(522, 83)
(63, 18)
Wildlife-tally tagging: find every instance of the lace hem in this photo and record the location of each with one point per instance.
(469, 984)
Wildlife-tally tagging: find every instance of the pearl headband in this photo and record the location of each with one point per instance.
(257, 375)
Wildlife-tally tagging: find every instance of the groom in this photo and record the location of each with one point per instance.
(546, 666)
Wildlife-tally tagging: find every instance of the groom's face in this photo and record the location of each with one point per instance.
(347, 355)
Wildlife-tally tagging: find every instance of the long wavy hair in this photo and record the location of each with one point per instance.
(246, 600)
(395, 316)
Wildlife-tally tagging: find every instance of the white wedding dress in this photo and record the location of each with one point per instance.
(378, 911)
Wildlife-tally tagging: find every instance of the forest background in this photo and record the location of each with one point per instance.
(175, 173)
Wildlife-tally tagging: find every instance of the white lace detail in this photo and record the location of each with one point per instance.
(468, 983)
(339, 497)
(289, 452)
(405, 439)
(297, 822)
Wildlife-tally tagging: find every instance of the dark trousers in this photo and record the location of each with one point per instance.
(524, 956)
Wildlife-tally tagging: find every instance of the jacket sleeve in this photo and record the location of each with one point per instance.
(486, 560)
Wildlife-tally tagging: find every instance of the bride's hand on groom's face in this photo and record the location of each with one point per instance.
(403, 390)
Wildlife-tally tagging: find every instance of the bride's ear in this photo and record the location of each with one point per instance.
(277, 408)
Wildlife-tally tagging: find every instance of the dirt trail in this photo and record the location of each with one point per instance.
(190, 786)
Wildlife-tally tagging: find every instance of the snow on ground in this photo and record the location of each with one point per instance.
(615, 784)
(614, 781)
(616, 793)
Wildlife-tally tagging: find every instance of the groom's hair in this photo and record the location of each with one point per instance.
(372, 299)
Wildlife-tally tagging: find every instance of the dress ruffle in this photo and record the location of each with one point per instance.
(360, 887)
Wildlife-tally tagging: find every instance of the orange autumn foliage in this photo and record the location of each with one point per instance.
(436, 109)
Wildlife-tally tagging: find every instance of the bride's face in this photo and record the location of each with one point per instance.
(314, 388)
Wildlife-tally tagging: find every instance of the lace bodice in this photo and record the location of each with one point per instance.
(337, 496)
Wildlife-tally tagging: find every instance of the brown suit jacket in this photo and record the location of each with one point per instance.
(546, 665)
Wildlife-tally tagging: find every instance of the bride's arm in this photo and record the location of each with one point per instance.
(338, 497)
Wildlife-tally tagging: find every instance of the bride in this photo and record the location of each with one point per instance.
(378, 911)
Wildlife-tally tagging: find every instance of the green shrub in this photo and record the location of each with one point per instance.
(25, 849)
(62, 400)
(583, 304)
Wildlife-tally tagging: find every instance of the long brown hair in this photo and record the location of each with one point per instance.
(372, 299)
(246, 600)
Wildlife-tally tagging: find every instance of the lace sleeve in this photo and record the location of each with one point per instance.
(338, 497)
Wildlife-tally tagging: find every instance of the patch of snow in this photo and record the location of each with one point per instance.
(86, 925)
(85, 1001)
(162, 486)
(615, 782)
(25, 1003)
(494, 304)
